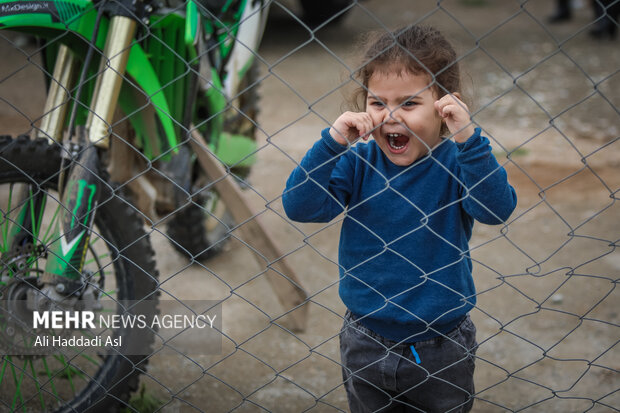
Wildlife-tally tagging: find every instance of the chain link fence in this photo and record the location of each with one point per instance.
(547, 312)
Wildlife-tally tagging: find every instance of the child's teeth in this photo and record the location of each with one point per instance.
(392, 143)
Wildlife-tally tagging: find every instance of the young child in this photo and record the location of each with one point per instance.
(410, 197)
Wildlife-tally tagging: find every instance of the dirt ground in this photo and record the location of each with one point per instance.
(547, 312)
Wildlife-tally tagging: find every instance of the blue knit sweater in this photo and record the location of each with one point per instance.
(405, 269)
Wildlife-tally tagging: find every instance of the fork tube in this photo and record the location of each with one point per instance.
(110, 79)
(58, 96)
(63, 269)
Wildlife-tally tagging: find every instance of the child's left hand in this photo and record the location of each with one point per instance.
(456, 115)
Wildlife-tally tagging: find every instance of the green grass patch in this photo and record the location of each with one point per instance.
(513, 153)
(143, 402)
(67, 372)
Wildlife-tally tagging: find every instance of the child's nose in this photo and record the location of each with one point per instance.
(394, 115)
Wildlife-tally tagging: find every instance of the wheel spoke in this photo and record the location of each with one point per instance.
(4, 363)
(50, 377)
(32, 216)
(90, 359)
(96, 259)
(39, 221)
(109, 294)
(50, 227)
(36, 382)
(7, 221)
(18, 385)
(65, 371)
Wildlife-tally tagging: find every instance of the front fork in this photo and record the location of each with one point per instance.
(81, 187)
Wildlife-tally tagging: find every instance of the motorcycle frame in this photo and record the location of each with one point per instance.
(157, 132)
(162, 123)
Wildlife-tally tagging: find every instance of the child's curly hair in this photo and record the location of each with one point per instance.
(415, 49)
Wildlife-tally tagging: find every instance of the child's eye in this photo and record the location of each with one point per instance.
(377, 103)
(409, 103)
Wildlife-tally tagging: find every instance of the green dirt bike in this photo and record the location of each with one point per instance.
(126, 81)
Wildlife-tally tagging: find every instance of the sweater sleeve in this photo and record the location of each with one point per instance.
(319, 188)
(489, 198)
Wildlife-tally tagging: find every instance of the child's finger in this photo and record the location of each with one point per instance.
(368, 126)
(449, 100)
(450, 105)
(357, 126)
(440, 105)
(351, 126)
(448, 111)
(363, 123)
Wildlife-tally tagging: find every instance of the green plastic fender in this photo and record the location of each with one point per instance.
(53, 18)
(77, 17)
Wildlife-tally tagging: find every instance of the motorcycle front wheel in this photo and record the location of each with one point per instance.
(119, 265)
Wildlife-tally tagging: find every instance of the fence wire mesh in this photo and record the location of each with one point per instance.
(546, 312)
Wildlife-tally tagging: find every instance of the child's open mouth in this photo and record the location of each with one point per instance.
(397, 143)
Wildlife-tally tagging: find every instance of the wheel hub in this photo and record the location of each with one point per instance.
(22, 293)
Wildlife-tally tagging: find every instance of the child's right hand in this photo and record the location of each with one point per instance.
(350, 126)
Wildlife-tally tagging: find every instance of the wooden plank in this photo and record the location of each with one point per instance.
(288, 291)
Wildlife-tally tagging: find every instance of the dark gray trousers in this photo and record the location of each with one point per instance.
(381, 375)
